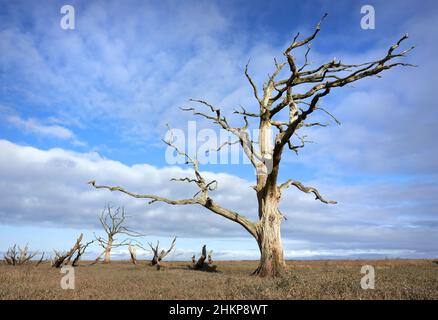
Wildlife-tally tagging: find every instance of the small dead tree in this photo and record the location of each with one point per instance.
(201, 261)
(201, 264)
(159, 255)
(113, 222)
(282, 109)
(63, 258)
(132, 253)
(16, 256)
(80, 251)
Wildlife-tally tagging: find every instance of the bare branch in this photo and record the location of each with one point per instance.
(245, 113)
(80, 252)
(153, 198)
(296, 44)
(303, 141)
(243, 136)
(330, 114)
(301, 187)
(205, 202)
(254, 88)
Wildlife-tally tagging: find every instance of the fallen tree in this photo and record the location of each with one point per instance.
(64, 258)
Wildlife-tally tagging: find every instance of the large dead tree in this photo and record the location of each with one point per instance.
(113, 223)
(291, 94)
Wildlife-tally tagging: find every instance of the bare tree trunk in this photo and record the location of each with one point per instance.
(108, 250)
(201, 264)
(272, 262)
(201, 261)
(132, 254)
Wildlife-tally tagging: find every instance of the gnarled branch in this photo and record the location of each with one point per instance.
(305, 189)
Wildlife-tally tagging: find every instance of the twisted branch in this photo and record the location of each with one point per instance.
(305, 189)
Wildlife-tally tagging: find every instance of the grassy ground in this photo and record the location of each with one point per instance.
(332, 279)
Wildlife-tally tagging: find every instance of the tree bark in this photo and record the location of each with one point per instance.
(272, 262)
(108, 251)
(201, 261)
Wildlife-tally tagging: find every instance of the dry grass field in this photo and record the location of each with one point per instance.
(322, 279)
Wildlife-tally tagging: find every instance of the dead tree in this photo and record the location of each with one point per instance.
(159, 255)
(63, 258)
(113, 223)
(282, 110)
(132, 253)
(80, 251)
(201, 264)
(201, 261)
(17, 256)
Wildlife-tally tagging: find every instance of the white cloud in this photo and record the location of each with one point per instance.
(32, 125)
(53, 131)
(131, 71)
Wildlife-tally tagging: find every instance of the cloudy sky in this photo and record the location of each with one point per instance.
(93, 103)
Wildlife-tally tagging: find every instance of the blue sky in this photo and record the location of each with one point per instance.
(94, 103)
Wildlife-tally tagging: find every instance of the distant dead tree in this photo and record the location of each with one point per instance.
(132, 253)
(159, 255)
(64, 258)
(201, 264)
(113, 222)
(282, 110)
(16, 256)
(80, 251)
